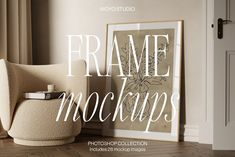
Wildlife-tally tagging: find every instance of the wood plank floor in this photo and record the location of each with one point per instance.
(80, 148)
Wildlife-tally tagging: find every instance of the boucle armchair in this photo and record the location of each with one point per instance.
(33, 122)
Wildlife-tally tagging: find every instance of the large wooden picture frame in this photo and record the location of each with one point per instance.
(168, 59)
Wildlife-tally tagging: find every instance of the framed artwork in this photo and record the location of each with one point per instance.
(144, 64)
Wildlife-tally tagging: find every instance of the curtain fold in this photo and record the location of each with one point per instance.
(15, 34)
(15, 31)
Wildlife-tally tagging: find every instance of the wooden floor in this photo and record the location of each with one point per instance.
(81, 149)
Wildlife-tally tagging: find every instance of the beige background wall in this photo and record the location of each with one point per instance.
(54, 19)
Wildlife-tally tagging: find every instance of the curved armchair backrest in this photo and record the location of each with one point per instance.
(17, 79)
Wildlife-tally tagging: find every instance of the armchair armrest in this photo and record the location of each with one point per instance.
(8, 96)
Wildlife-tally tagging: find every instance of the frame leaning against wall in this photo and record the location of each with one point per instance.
(173, 132)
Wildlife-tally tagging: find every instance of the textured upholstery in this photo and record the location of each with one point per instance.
(35, 119)
(40, 122)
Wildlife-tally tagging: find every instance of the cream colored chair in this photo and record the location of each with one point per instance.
(33, 122)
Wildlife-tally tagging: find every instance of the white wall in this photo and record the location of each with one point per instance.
(84, 17)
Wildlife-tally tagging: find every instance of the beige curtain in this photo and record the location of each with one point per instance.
(15, 31)
(15, 34)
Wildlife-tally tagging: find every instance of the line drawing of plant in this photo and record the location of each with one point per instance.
(138, 82)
